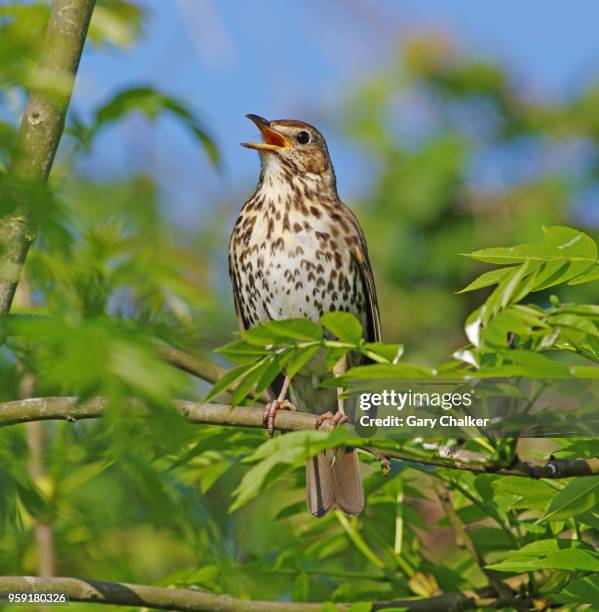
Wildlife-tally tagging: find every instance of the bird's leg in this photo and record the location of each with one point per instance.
(339, 417)
(278, 404)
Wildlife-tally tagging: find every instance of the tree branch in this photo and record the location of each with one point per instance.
(197, 366)
(463, 540)
(36, 438)
(69, 408)
(41, 128)
(123, 594)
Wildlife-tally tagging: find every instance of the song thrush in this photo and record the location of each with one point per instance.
(297, 251)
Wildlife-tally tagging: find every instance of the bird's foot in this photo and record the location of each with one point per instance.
(268, 419)
(338, 418)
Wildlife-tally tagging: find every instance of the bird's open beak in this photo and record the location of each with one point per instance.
(273, 140)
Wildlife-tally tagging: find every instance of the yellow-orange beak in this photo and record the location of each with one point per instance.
(273, 140)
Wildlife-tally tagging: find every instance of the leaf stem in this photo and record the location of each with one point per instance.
(358, 540)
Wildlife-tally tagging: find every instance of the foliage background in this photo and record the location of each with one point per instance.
(446, 139)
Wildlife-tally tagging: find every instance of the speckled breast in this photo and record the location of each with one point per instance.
(292, 258)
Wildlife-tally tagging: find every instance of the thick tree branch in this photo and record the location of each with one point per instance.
(68, 408)
(41, 129)
(116, 593)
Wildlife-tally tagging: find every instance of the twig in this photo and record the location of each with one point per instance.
(359, 542)
(197, 366)
(44, 535)
(192, 364)
(463, 539)
(36, 436)
(124, 594)
(69, 408)
(41, 129)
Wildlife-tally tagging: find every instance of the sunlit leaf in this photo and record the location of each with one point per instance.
(560, 243)
(549, 554)
(485, 280)
(152, 103)
(579, 495)
(343, 325)
(278, 456)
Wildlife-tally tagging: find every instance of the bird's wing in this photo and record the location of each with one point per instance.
(241, 320)
(360, 255)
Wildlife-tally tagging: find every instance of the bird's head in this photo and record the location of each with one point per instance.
(294, 145)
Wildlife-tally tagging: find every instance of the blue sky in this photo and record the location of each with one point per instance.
(298, 58)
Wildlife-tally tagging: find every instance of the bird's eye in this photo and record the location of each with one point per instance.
(303, 137)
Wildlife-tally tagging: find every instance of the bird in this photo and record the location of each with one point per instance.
(296, 250)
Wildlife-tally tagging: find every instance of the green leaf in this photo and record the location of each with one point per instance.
(343, 325)
(300, 359)
(535, 364)
(550, 273)
(522, 493)
(589, 310)
(116, 22)
(241, 352)
(299, 329)
(250, 378)
(210, 474)
(227, 380)
(273, 368)
(279, 456)
(570, 241)
(590, 277)
(584, 371)
(490, 539)
(572, 560)
(301, 587)
(333, 355)
(282, 332)
(560, 242)
(578, 448)
(575, 322)
(380, 371)
(568, 555)
(98, 356)
(361, 606)
(291, 510)
(582, 591)
(522, 487)
(84, 474)
(488, 278)
(579, 495)
(513, 321)
(559, 271)
(303, 444)
(391, 353)
(152, 103)
(513, 287)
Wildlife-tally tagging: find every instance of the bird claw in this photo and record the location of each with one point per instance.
(339, 418)
(270, 412)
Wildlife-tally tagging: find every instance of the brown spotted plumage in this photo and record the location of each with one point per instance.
(297, 251)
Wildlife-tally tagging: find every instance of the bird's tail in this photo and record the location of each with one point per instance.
(333, 477)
